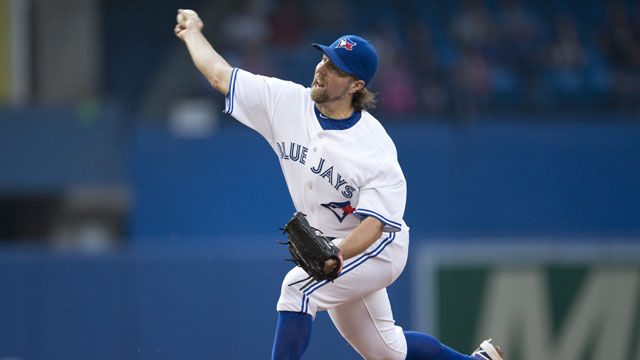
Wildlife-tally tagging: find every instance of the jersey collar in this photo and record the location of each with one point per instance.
(333, 124)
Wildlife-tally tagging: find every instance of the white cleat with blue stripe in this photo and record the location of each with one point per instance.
(487, 351)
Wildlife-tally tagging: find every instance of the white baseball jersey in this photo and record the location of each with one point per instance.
(337, 171)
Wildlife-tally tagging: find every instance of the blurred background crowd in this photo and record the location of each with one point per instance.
(458, 57)
(449, 60)
(439, 60)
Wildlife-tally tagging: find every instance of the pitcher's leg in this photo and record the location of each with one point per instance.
(293, 333)
(424, 346)
(367, 324)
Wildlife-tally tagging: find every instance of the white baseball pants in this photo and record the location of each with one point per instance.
(357, 301)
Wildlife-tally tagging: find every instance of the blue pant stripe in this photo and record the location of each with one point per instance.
(351, 264)
(363, 258)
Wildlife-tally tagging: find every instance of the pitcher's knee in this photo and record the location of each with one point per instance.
(391, 345)
(291, 298)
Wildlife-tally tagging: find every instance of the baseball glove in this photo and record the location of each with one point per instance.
(310, 250)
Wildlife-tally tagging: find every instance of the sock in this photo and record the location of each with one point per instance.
(425, 347)
(292, 335)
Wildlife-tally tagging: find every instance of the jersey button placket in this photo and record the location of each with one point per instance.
(309, 194)
(320, 136)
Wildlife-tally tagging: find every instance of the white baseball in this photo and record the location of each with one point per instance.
(181, 19)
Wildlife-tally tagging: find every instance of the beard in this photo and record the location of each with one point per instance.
(321, 95)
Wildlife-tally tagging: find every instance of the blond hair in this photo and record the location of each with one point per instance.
(364, 100)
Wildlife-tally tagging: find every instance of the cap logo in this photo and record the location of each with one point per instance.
(346, 43)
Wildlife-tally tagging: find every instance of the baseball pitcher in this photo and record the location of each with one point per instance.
(348, 236)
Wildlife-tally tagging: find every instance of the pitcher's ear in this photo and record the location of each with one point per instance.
(357, 86)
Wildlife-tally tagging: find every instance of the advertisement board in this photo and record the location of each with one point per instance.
(537, 299)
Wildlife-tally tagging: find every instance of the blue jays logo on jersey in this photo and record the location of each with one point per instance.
(346, 43)
(344, 207)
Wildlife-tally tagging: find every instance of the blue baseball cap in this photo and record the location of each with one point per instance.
(353, 55)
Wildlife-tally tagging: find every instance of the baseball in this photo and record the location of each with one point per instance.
(182, 19)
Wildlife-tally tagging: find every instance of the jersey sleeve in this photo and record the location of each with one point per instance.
(253, 98)
(385, 196)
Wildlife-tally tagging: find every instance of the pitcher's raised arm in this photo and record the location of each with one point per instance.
(213, 66)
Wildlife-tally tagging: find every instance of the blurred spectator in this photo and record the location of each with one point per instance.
(245, 35)
(427, 75)
(394, 79)
(620, 42)
(520, 35)
(473, 73)
(566, 50)
(620, 36)
(256, 59)
(329, 19)
(245, 28)
(471, 77)
(473, 27)
(387, 40)
(397, 95)
(565, 57)
(516, 22)
(288, 24)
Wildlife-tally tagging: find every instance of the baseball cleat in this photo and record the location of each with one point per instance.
(487, 351)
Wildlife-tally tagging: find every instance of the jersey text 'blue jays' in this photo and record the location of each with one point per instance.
(296, 152)
(337, 181)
